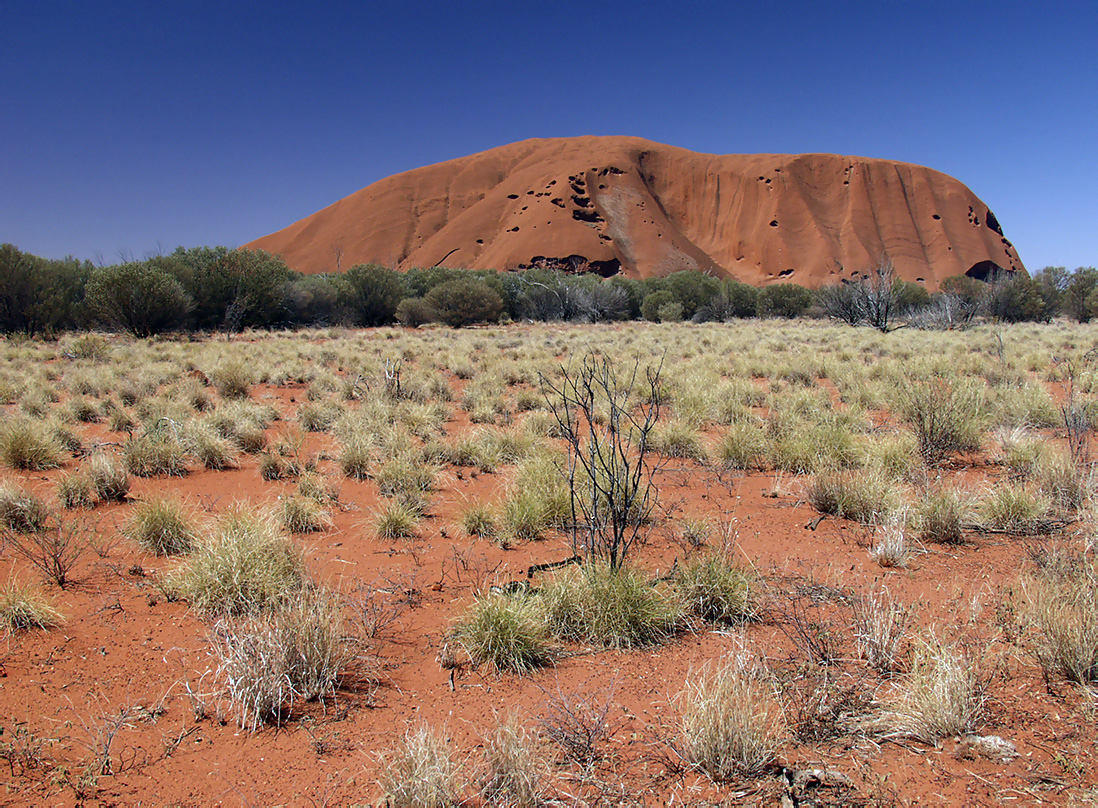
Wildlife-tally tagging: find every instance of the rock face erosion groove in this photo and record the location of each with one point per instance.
(646, 210)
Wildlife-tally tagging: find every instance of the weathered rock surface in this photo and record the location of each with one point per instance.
(622, 204)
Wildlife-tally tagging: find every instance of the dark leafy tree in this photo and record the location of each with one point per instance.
(692, 289)
(371, 293)
(310, 300)
(38, 295)
(1082, 282)
(784, 300)
(137, 297)
(654, 301)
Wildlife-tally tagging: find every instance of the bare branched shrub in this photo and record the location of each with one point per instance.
(578, 722)
(730, 719)
(55, 548)
(607, 419)
(421, 772)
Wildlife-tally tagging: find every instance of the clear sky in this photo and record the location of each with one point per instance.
(130, 128)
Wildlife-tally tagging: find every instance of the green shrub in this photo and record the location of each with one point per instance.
(29, 446)
(612, 609)
(244, 566)
(783, 300)
(137, 297)
(506, 632)
(465, 301)
(163, 527)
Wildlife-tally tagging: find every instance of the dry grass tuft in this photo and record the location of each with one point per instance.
(421, 772)
(730, 719)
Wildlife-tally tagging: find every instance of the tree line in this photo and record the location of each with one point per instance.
(218, 289)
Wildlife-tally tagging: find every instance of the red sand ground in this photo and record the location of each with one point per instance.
(652, 209)
(124, 647)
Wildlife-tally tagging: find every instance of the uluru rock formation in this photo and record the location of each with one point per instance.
(623, 204)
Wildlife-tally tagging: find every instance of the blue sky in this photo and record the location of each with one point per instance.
(130, 128)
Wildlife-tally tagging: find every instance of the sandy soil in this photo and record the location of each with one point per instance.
(128, 665)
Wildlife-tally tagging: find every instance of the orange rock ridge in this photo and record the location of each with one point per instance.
(624, 204)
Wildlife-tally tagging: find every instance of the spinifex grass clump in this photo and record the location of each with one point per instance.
(21, 510)
(610, 608)
(108, 478)
(159, 452)
(245, 564)
(29, 445)
(941, 515)
(506, 632)
(712, 588)
(163, 527)
(940, 697)
(862, 496)
(303, 515)
(396, 520)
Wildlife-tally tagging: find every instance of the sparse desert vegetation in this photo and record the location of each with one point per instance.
(485, 564)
